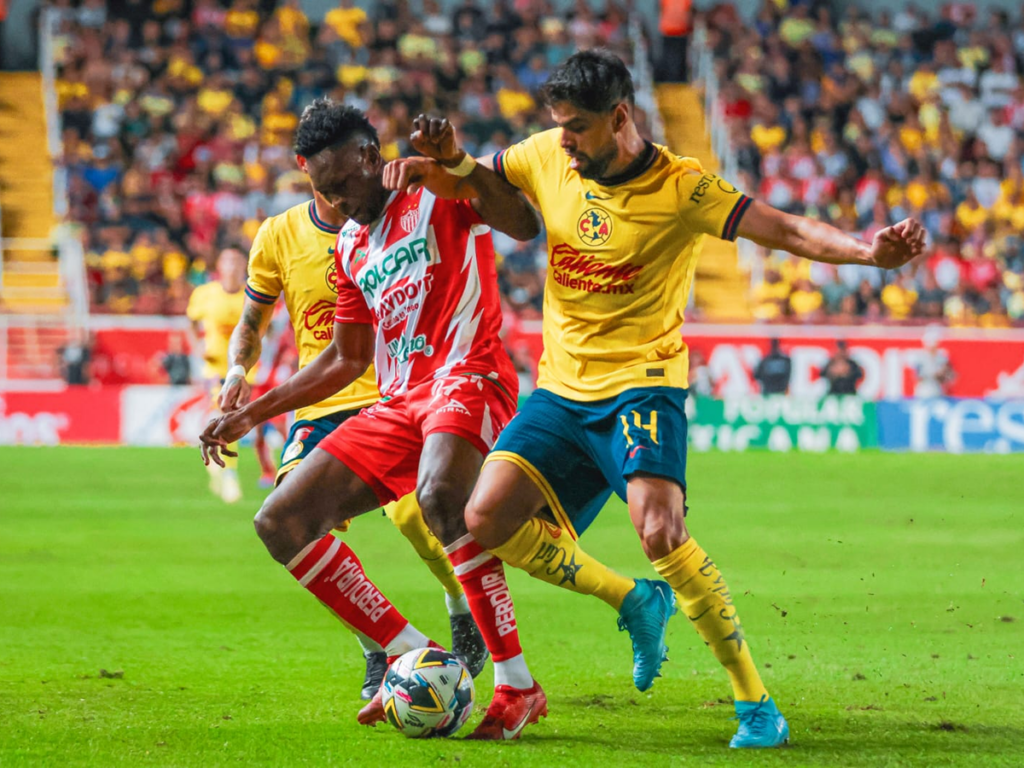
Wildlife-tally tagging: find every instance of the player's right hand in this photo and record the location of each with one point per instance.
(221, 432)
(435, 137)
(235, 393)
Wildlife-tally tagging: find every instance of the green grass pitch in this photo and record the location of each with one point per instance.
(882, 595)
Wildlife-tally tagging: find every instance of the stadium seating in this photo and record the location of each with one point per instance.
(863, 121)
(176, 134)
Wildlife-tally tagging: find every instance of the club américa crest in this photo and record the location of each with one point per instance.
(594, 226)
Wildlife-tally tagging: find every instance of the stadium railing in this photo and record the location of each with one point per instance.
(643, 78)
(29, 342)
(48, 68)
(702, 65)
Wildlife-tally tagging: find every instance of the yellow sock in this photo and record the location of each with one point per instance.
(231, 462)
(407, 517)
(550, 554)
(704, 598)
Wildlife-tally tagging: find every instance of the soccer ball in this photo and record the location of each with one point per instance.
(427, 692)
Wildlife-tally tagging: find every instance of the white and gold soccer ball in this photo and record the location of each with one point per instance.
(427, 692)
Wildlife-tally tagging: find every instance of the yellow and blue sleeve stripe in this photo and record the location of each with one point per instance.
(732, 223)
(258, 296)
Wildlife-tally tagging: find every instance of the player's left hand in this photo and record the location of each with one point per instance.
(894, 246)
(434, 137)
(221, 432)
(410, 173)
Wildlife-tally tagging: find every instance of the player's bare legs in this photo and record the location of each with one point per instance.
(448, 469)
(656, 506)
(321, 494)
(295, 523)
(504, 500)
(502, 516)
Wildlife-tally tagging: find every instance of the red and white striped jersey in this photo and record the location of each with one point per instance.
(424, 275)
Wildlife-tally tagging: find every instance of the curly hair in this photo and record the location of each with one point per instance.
(594, 80)
(326, 123)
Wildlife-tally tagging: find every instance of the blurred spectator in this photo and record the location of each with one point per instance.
(74, 358)
(701, 383)
(176, 362)
(774, 370)
(842, 372)
(934, 373)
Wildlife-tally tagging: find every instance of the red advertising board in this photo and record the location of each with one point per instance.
(985, 363)
(131, 355)
(70, 415)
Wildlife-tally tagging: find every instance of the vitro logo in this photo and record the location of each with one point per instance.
(402, 348)
(374, 275)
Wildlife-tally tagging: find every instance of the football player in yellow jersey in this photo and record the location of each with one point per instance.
(625, 221)
(214, 308)
(293, 254)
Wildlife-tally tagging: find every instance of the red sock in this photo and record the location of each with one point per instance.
(332, 572)
(482, 576)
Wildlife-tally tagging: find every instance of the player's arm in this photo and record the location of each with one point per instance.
(448, 171)
(342, 362)
(244, 352)
(891, 247)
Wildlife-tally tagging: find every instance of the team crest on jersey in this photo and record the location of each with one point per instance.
(594, 226)
(410, 219)
(332, 276)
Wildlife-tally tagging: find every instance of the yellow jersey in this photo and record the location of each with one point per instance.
(621, 260)
(293, 254)
(218, 312)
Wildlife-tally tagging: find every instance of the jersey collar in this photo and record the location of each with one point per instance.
(636, 169)
(319, 223)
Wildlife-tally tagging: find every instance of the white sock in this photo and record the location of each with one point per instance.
(408, 639)
(513, 672)
(369, 644)
(457, 606)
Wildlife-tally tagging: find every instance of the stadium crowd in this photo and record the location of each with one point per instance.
(863, 121)
(178, 117)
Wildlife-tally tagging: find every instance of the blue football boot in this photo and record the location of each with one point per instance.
(644, 614)
(761, 725)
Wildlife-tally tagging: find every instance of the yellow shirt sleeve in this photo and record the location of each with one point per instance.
(708, 203)
(522, 165)
(264, 284)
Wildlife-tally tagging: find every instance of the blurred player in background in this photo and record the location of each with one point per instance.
(293, 255)
(626, 221)
(214, 308)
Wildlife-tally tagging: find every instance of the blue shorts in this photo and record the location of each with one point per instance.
(578, 453)
(305, 435)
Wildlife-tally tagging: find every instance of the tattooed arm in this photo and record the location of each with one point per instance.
(244, 350)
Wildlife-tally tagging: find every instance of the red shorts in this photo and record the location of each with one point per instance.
(382, 444)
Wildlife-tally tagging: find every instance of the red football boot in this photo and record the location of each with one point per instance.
(511, 710)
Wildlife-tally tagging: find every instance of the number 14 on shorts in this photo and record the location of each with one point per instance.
(637, 423)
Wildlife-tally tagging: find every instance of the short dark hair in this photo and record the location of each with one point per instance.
(594, 80)
(326, 123)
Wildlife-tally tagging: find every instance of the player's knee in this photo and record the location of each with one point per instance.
(661, 528)
(661, 535)
(443, 503)
(479, 523)
(274, 533)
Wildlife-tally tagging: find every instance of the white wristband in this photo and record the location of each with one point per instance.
(465, 166)
(237, 371)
